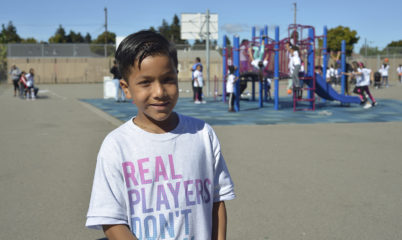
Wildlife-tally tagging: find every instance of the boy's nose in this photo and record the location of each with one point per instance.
(158, 90)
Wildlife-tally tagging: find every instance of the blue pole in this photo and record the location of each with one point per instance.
(276, 69)
(343, 63)
(260, 90)
(261, 33)
(253, 34)
(265, 81)
(224, 50)
(325, 53)
(253, 29)
(310, 64)
(236, 63)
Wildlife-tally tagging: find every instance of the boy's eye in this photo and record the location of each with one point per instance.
(170, 80)
(144, 82)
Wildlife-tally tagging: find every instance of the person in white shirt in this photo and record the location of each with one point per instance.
(363, 76)
(296, 65)
(230, 87)
(160, 175)
(30, 84)
(198, 84)
(399, 71)
(384, 72)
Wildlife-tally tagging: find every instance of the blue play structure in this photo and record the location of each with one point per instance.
(277, 68)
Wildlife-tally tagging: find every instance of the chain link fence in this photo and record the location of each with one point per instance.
(60, 50)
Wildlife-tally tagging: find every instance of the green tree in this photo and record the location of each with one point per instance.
(336, 35)
(110, 38)
(9, 34)
(29, 40)
(98, 46)
(88, 38)
(395, 47)
(73, 37)
(369, 51)
(170, 31)
(59, 36)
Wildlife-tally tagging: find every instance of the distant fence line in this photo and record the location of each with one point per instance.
(74, 63)
(24, 50)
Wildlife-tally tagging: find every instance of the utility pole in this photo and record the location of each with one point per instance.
(295, 9)
(207, 52)
(105, 31)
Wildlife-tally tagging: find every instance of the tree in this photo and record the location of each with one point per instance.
(395, 44)
(110, 38)
(73, 37)
(29, 40)
(170, 31)
(395, 47)
(88, 38)
(59, 36)
(336, 35)
(9, 34)
(369, 51)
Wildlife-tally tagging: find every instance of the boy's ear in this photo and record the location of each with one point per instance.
(124, 86)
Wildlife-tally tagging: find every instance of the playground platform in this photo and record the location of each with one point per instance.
(293, 181)
(215, 112)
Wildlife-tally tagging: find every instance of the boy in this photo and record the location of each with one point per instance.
(160, 175)
(198, 84)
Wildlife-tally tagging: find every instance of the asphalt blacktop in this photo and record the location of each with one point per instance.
(323, 179)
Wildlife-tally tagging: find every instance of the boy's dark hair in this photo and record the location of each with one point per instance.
(137, 46)
(231, 69)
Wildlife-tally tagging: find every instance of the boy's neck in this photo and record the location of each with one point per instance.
(158, 127)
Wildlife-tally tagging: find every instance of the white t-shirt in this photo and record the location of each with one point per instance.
(30, 79)
(366, 75)
(198, 76)
(364, 78)
(230, 83)
(384, 70)
(162, 186)
(296, 58)
(399, 70)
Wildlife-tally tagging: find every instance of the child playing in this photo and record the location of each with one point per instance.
(30, 84)
(160, 175)
(230, 85)
(363, 76)
(399, 71)
(198, 84)
(257, 60)
(384, 72)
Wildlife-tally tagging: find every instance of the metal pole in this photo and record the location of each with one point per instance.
(276, 69)
(253, 29)
(310, 64)
(343, 63)
(265, 80)
(295, 4)
(224, 66)
(207, 51)
(236, 63)
(105, 31)
(325, 53)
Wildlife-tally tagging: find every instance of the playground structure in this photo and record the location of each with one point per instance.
(304, 37)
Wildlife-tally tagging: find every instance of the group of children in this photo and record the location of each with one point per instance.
(24, 83)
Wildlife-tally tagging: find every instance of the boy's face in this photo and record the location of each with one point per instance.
(153, 88)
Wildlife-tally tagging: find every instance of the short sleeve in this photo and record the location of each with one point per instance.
(223, 184)
(107, 204)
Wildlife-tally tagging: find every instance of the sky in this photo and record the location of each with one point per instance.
(377, 22)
